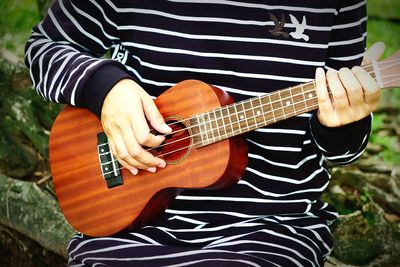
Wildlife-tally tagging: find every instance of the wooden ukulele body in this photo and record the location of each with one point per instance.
(96, 210)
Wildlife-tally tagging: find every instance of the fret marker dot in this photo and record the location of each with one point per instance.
(241, 117)
(258, 112)
(287, 103)
(106, 168)
(310, 95)
(102, 150)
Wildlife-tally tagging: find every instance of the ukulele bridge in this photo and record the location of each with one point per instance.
(110, 168)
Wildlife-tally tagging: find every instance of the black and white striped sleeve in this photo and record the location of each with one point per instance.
(63, 55)
(343, 145)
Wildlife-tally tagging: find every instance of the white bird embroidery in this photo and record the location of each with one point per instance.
(299, 33)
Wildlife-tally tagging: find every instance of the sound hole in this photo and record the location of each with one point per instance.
(176, 145)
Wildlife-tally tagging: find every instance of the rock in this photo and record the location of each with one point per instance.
(34, 212)
(366, 238)
(25, 120)
(14, 246)
(367, 196)
(379, 180)
(16, 159)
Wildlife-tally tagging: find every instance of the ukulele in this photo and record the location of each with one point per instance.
(204, 151)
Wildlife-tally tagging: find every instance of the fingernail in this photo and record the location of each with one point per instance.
(134, 171)
(151, 169)
(162, 165)
(166, 128)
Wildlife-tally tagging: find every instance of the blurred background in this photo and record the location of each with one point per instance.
(33, 232)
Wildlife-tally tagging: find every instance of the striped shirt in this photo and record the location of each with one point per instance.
(247, 48)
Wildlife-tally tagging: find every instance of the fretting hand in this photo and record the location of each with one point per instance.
(125, 114)
(355, 94)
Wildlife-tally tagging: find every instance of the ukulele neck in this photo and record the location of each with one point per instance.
(254, 113)
(257, 112)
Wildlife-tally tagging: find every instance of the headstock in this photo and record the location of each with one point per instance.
(387, 71)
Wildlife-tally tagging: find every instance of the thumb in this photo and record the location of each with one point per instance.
(373, 53)
(154, 116)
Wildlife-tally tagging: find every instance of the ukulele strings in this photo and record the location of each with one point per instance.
(239, 121)
(396, 62)
(215, 140)
(254, 117)
(236, 113)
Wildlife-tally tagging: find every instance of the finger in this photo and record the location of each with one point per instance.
(144, 160)
(143, 135)
(339, 94)
(137, 124)
(131, 156)
(371, 89)
(127, 166)
(141, 155)
(352, 86)
(154, 116)
(128, 151)
(324, 101)
(375, 52)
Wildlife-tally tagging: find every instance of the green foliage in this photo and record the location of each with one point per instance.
(16, 21)
(389, 142)
(344, 203)
(387, 31)
(389, 9)
(366, 196)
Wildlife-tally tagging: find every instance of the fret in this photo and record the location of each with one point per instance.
(254, 116)
(227, 121)
(292, 99)
(311, 95)
(276, 105)
(299, 100)
(250, 115)
(233, 119)
(215, 128)
(308, 94)
(243, 116)
(209, 128)
(304, 96)
(236, 114)
(268, 109)
(283, 105)
(195, 130)
(261, 110)
(287, 103)
(202, 129)
(220, 124)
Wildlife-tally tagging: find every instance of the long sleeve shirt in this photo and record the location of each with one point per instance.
(246, 48)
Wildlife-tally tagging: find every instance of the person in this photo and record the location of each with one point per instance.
(273, 216)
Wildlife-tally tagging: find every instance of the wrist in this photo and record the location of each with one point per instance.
(339, 138)
(100, 84)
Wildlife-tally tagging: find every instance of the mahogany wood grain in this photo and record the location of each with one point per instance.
(94, 209)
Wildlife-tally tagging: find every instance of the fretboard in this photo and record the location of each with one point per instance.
(254, 113)
(257, 112)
